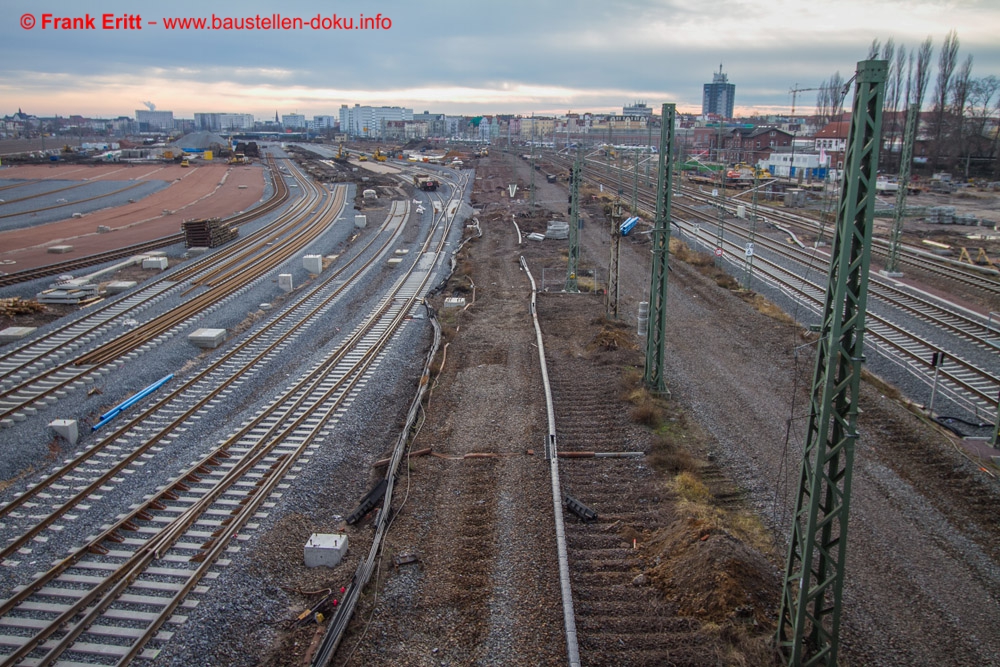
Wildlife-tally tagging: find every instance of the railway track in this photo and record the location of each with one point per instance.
(181, 529)
(34, 373)
(960, 334)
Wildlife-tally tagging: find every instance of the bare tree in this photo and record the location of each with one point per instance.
(892, 88)
(829, 99)
(873, 50)
(922, 74)
(959, 100)
(947, 59)
(909, 79)
(980, 105)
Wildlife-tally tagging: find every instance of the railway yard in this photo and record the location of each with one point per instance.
(381, 374)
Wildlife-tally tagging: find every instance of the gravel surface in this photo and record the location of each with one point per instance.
(923, 560)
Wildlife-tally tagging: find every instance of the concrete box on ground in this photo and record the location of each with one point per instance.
(325, 549)
(159, 263)
(10, 334)
(361, 221)
(208, 339)
(119, 286)
(59, 249)
(67, 428)
(285, 282)
(313, 264)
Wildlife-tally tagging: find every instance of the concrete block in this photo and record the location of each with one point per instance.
(361, 221)
(454, 302)
(119, 286)
(159, 263)
(103, 229)
(285, 282)
(313, 264)
(557, 230)
(208, 339)
(325, 549)
(402, 251)
(67, 428)
(394, 261)
(196, 251)
(11, 334)
(369, 194)
(59, 249)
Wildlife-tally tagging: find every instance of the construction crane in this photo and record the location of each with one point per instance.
(795, 90)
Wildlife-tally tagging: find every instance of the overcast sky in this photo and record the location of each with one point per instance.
(461, 57)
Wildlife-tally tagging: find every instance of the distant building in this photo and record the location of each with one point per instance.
(359, 121)
(437, 126)
(293, 121)
(223, 122)
(753, 144)
(638, 109)
(154, 121)
(718, 96)
(321, 123)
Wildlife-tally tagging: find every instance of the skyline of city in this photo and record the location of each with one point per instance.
(517, 57)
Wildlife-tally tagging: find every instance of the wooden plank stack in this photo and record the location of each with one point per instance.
(207, 233)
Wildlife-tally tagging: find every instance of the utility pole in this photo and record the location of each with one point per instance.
(572, 263)
(809, 621)
(531, 202)
(656, 337)
(795, 90)
(720, 199)
(616, 248)
(635, 184)
(749, 250)
(906, 159)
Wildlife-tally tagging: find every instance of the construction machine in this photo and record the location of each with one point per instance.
(379, 156)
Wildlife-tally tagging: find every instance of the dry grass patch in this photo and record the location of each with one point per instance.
(765, 307)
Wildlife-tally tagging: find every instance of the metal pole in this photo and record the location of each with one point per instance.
(906, 159)
(936, 361)
(656, 337)
(809, 619)
(572, 262)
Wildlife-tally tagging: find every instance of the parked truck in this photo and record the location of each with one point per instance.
(425, 182)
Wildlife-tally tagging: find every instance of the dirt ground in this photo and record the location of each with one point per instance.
(203, 191)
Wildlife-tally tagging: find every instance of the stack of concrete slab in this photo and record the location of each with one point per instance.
(69, 292)
(208, 339)
(207, 233)
(557, 230)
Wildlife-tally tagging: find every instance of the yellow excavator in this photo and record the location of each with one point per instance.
(379, 156)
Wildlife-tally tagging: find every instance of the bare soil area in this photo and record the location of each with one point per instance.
(205, 191)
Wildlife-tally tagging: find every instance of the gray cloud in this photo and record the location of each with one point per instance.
(592, 53)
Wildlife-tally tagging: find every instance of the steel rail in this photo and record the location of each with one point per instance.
(185, 387)
(265, 444)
